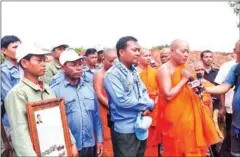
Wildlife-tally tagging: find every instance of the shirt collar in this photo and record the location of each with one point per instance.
(9, 64)
(66, 82)
(36, 87)
(56, 64)
(88, 69)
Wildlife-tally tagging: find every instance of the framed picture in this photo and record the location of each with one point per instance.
(48, 127)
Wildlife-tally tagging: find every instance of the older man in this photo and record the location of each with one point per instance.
(81, 105)
(186, 131)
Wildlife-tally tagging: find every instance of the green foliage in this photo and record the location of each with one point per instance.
(79, 50)
(236, 8)
(159, 47)
(2, 58)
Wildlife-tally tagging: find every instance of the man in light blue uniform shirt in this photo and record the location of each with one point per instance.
(81, 105)
(91, 66)
(10, 74)
(127, 97)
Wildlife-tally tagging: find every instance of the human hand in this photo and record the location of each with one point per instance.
(145, 113)
(99, 149)
(74, 150)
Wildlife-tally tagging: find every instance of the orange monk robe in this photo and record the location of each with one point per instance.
(207, 98)
(107, 143)
(148, 77)
(185, 123)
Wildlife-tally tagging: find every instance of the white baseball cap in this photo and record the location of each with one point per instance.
(23, 50)
(99, 48)
(141, 126)
(69, 55)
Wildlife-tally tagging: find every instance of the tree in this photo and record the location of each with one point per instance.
(236, 8)
(79, 50)
(159, 47)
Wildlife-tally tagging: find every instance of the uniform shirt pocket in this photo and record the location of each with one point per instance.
(89, 102)
(69, 104)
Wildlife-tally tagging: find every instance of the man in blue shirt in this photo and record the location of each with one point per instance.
(231, 80)
(127, 97)
(91, 67)
(81, 105)
(10, 75)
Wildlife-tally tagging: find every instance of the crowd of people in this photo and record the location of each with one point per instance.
(121, 102)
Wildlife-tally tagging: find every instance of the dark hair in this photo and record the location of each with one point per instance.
(100, 52)
(122, 43)
(203, 52)
(38, 115)
(8, 39)
(90, 51)
(27, 57)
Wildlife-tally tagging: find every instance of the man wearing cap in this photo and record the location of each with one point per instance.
(81, 105)
(10, 75)
(91, 67)
(54, 66)
(100, 56)
(29, 89)
(127, 97)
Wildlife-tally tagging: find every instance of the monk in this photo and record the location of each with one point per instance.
(156, 57)
(185, 123)
(207, 98)
(109, 56)
(165, 55)
(148, 76)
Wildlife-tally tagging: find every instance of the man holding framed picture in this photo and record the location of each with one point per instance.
(81, 105)
(33, 62)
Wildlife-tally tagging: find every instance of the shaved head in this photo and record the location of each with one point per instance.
(109, 56)
(198, 63)
(145, 57)
(179, 51)
(199, 67)
(237, 47)
(165, 55)
(178, 44)
(109, 53)
(143, 51)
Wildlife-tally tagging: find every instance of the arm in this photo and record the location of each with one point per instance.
(5, 85)
(98, 86)
(48, 74)
(97, 123)
(16, 110)
(164, 80)
(115, 90)
(220, 89)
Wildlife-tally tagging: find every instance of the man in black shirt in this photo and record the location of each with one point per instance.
(210, 74)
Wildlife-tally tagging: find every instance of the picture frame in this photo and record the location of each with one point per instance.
(48, 127)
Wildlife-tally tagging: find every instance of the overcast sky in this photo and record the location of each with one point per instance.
(205, 25)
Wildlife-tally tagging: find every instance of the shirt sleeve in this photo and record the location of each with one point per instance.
(73, 141)
(16, 110)
(221, 75)
(5, 85)
(230, 79)
(115, 89)
(97, 122)
(48, 75)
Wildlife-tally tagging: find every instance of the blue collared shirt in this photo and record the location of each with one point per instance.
(82, 111)
(123, 96)
(10, 76)
(89, 73)
(236, 97)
